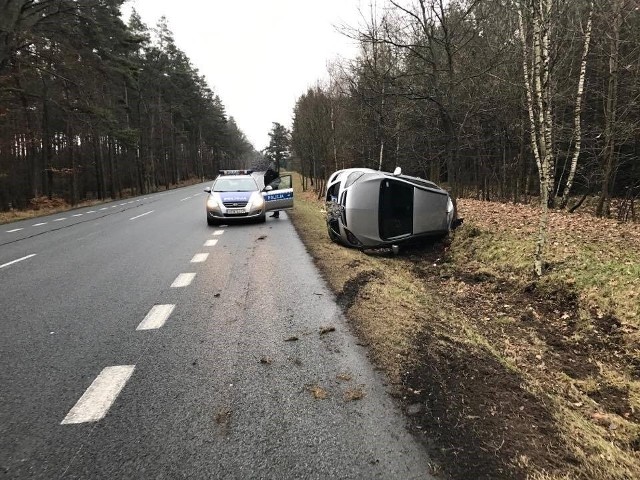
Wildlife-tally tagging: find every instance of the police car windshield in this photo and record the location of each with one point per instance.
(235, 185)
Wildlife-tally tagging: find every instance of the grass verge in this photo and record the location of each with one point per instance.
(500, 374)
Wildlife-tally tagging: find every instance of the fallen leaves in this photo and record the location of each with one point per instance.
(318, 392)
(353, 394)
(324, 330)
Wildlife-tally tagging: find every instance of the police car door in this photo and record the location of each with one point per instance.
(281, 195)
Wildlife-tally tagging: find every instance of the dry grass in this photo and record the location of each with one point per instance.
(41, 206)
(521, 378)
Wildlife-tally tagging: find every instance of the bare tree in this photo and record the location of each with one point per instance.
(611, 106)
(577, 114)
(535, 18)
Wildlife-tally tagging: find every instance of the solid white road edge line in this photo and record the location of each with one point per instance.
(183, 280)
(133, 218)
(156, 317)
(98, 398)
(211, 243)
(199, 258)
(18, 260)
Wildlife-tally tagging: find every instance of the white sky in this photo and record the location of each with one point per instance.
(259, 56)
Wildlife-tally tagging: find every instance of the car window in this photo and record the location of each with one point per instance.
(235, 185)
(332, 192)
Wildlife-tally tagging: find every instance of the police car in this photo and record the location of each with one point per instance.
(240, 195)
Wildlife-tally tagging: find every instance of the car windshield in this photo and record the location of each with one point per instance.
(235, 185)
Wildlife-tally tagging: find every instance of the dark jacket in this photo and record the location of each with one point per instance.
(269, 176)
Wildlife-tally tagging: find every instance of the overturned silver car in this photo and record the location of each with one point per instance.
(371, 209)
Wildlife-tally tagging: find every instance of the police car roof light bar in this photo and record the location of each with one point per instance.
(235, 172)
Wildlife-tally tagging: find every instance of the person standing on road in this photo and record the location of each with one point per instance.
(270, 176)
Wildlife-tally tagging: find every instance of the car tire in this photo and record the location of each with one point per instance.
(262, 218)
(211, 222)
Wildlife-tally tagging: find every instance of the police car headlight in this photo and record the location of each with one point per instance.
(256, 201)
(213, 202)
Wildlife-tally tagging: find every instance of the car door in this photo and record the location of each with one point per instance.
(281, 197)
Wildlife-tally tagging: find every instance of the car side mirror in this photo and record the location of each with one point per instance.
(208, 189)
(268, 188)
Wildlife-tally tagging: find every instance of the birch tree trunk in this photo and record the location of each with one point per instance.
(537, 89)
(577, 113)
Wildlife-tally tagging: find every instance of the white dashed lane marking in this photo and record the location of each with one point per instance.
(104, 208)
(218, 232)
(77, 215)
(18, 260)
(211, 243)
(15, 230)
(156, 317)
(39, 224)
(60, 219)
(147, 213)
(199, 257)
(185, 199)
(91, 211)
(183, 280)
(98, 398)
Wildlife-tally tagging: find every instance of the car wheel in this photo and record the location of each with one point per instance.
(211, 222)
(262, 218)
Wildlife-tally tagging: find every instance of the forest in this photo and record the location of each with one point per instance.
(93, 108)
(509, 100)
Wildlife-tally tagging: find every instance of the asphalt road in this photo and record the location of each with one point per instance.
(137, 342)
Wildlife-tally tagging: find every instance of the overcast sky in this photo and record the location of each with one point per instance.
(259, 56)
